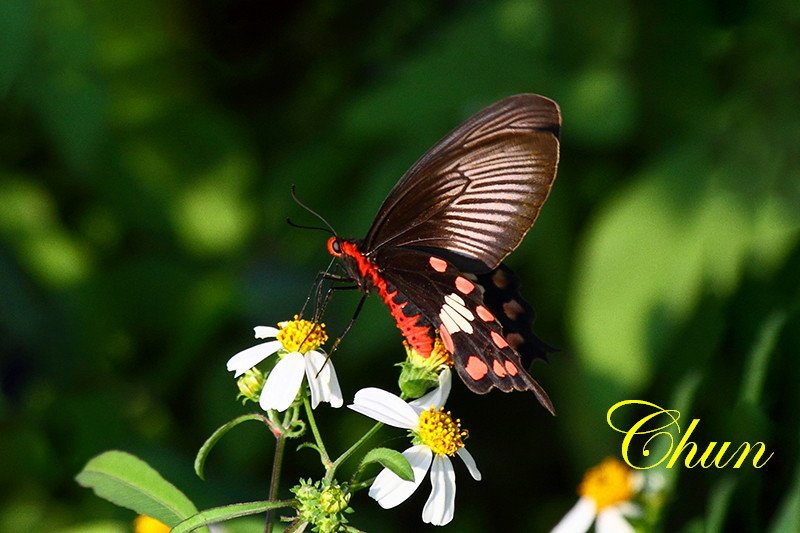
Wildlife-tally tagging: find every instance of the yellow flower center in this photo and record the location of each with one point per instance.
(607, 484)
(439, 356)
(440, 432)
(300, 335)
(146, 524)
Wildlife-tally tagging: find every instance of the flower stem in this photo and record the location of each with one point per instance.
(280, 444)
(342, 458)
(326, 460)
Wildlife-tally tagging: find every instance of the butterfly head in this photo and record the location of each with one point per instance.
(335, 246)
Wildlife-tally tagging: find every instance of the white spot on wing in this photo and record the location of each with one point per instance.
(448, 322)
(455, 315)
(457, 303)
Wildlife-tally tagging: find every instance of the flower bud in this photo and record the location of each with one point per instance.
(334, 499)
(250, 384)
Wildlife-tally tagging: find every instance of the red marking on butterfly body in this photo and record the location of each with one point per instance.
(419, 337)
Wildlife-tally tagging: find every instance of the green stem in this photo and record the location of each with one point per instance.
(280, 445)
(326, 460)
(356, 486)
(342, 458)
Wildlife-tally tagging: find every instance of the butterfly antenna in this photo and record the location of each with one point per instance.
(304, 206)
(300, 226)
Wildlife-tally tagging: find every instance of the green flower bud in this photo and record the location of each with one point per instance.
(416, 380)
(250, 384)
(334, 499)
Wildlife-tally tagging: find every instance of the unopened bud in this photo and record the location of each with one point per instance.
(250, 384)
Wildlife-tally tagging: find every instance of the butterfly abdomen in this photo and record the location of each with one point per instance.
(407, 316)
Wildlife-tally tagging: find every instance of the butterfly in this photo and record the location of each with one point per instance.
(435, 249)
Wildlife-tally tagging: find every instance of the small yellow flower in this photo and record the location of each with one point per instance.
(440, 432)
(605, 498)
(146, 524)
(607, 484)
(436, 437)
(296, 343)
(299, 335)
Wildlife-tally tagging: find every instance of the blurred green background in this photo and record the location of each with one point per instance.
(146, 154)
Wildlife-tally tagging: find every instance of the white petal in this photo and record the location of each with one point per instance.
(317, 373)
(335, 393)
(578, 519)
(265, 332)
(247, 359)
(384, 407)
(610, 520)
(389, 490)
(630, 509)
(441, 504)
(322, 380)
(469, 461)
(283, 383)
(438, 396)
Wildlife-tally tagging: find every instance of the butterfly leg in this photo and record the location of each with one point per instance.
(323, 298)
(349, 324)
(316, 285)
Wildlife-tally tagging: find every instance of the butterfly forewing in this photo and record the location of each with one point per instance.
(479, 190)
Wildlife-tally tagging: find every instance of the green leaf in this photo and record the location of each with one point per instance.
(391, 459)
(651, 253)
(718, 504)
(15, 39)
(758, 361)
(129, 482)
(228, 512)
(787, 519)
(202, 453)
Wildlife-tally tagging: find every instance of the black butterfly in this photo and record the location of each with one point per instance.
(434, 252)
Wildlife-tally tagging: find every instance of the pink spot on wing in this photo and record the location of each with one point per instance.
(464, 286)
(476, 368)
(499, 340)
(498, 369)
(439, 265)
(484, 313)
(447, 340)
(511, 368)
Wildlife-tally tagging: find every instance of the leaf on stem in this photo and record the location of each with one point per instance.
(228, 512)
(391, 459)
(129, 482)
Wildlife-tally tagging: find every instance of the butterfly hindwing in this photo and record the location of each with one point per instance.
(501, 295)
(454, 305)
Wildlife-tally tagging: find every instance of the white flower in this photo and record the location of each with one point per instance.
(605, 495)
(296, 343)
(437, 438)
